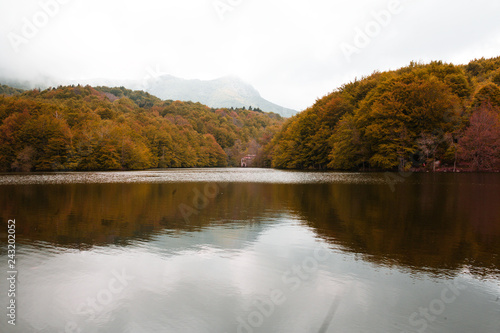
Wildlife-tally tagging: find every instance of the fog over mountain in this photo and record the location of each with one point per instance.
(260, 41)
(228, 91)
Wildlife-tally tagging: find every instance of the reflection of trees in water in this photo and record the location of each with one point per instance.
(425, 224)
(74, 214)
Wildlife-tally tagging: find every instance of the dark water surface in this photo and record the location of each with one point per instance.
(252, 250)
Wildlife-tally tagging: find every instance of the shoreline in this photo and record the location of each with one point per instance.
(413, 170)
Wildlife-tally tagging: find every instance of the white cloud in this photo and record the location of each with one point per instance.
(289, 50)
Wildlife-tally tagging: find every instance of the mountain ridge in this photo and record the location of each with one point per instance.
(224, 92)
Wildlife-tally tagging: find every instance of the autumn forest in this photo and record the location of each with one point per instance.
(424, 117)
(85, 128)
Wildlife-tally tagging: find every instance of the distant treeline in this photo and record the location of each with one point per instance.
(9, 91)
(409, 118)
(85, 128)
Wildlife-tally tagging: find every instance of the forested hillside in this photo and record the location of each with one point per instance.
(85, 128)
(408, 118)
(420, 117)
(9, 91)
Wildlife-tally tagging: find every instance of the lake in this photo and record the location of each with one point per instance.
(252, 250)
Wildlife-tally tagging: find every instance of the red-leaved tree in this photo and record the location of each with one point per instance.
(480, 144)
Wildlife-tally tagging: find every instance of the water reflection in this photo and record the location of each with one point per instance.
(229, 256)
(441, 222)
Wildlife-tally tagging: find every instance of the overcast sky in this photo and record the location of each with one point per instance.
(292, 51)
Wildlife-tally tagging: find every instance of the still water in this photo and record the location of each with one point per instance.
(252, 250)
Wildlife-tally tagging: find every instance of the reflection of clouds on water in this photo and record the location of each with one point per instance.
(206, 285)
(255, 255)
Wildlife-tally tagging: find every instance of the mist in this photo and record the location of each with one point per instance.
(293, 52)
